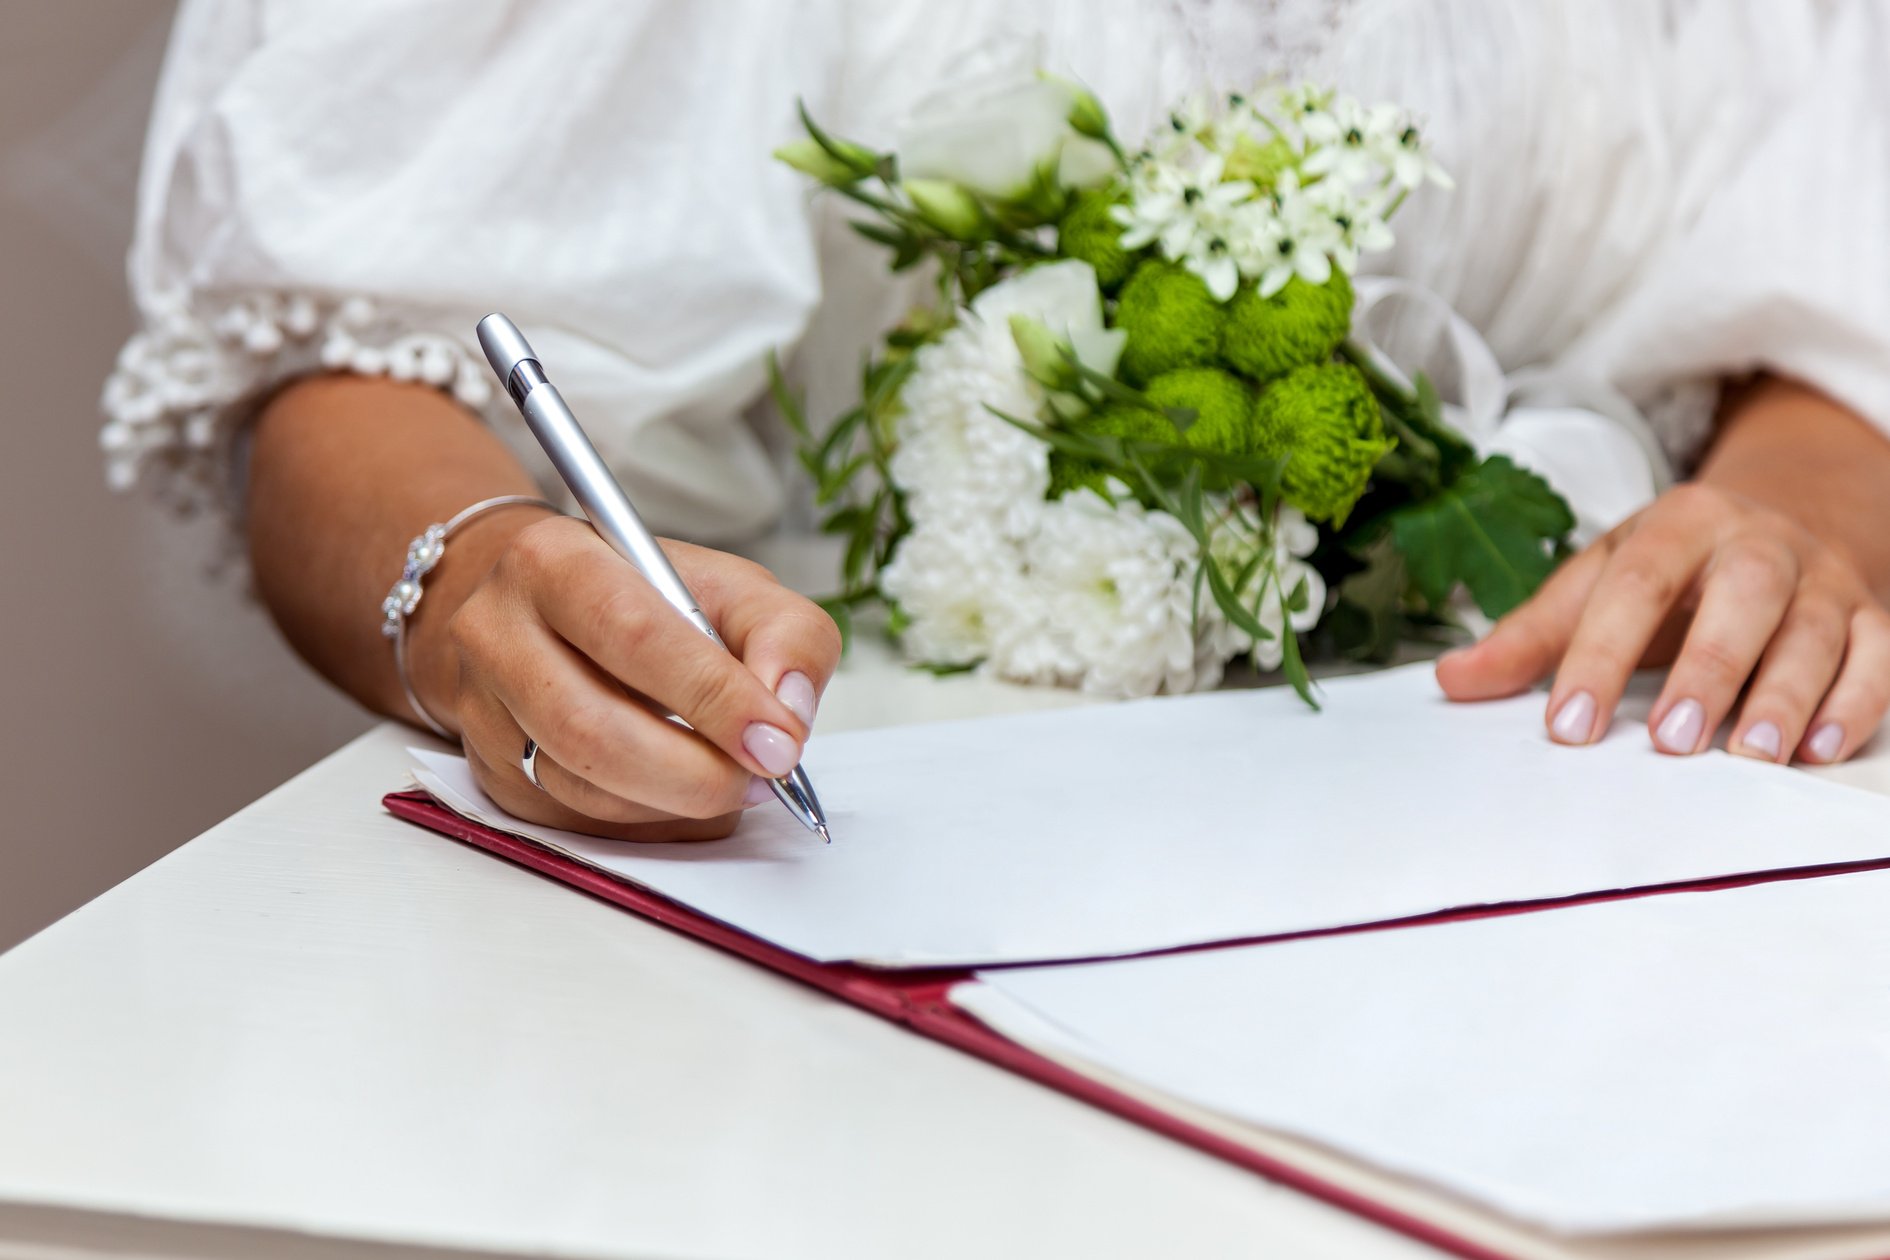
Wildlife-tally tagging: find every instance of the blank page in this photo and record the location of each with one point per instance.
(1134, 827)
(1699, 1059)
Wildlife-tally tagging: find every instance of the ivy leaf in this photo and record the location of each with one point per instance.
(1494, 529)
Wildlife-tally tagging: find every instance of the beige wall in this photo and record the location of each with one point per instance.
(139, 701)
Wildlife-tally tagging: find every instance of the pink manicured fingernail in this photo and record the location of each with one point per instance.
(758, 793)
(773, 748)
(1763, 739)
(1826, 742)
(1679, 731)
(797, 693)
(1575, 721)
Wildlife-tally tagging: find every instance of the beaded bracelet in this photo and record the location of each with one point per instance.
(423, 553)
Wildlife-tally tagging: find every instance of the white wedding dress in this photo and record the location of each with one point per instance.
(1651, 195)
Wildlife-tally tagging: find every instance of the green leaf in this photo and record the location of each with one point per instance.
(856, 157)
(859, 551)
(839, 436)
(892, 238)
(1228, 601)
(1428, 404)
(785, 401)
(1453, 449)
(1494, 529)
(847, 519)
(841, 610)
(939, 669)
(1294, 667)
(1367, 618)
(835, 480)
(884, 380)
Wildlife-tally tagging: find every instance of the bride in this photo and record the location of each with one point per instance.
(1669, 220)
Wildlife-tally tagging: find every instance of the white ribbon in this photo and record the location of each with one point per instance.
(1590, 443)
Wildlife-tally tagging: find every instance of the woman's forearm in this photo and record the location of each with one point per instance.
(344, 472)
(1792, 449)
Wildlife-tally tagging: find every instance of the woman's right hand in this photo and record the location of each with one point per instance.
(565, 643)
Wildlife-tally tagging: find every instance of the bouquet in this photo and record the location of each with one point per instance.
(1130, 438)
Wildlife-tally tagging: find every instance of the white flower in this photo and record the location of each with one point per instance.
(954, 458)
(1191, 214)
(1173, 204)
(1117, 585)
(1065, 298)
(1411, 163)
(958, 461)
(1359, 145)
(996, 126)
(955, 582)
(1307, 108)
(1352, 141)
(1270, 590)
(1298, 238)
(1358, 223)
(1213, 260)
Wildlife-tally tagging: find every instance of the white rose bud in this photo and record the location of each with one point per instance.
(1087, 114)
(809, 157)
(1047, 357)
(947, 207)
(994, 129)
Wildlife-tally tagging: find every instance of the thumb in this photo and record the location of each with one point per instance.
(1526, 645)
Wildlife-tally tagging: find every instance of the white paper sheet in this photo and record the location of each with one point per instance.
(1694, 1059)
(1127, 828)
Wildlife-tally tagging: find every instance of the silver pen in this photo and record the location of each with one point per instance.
(609, 509)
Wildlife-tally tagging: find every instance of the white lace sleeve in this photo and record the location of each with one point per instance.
(351, 186)
(182, 388)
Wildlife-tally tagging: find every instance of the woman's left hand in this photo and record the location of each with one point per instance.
(1733, 595)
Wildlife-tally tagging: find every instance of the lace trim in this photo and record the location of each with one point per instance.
(181, 390)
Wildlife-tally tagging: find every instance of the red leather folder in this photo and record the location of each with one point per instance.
(918, 1000)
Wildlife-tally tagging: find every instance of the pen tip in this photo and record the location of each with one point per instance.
(824, 833)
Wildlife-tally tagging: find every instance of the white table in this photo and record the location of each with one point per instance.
(318, 1031)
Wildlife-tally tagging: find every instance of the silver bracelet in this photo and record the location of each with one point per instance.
(423, 553)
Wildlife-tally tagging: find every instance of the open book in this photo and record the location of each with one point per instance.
(907, 902)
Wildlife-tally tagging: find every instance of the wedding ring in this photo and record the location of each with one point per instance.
(528, 762)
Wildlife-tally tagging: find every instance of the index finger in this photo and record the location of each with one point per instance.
(1637, 590)
(775, 631)
(1525, 646)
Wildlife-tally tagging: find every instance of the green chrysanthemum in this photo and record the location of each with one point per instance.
(1087, 232)
(1324, 420)
(1267, 337)
(1137, 424)
(1172, 321)
(1222, 406)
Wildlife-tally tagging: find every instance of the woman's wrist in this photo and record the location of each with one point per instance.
(432, 661)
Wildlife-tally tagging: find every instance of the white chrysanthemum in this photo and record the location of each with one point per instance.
(961, 587)
(956, 460)
(1117, 585)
